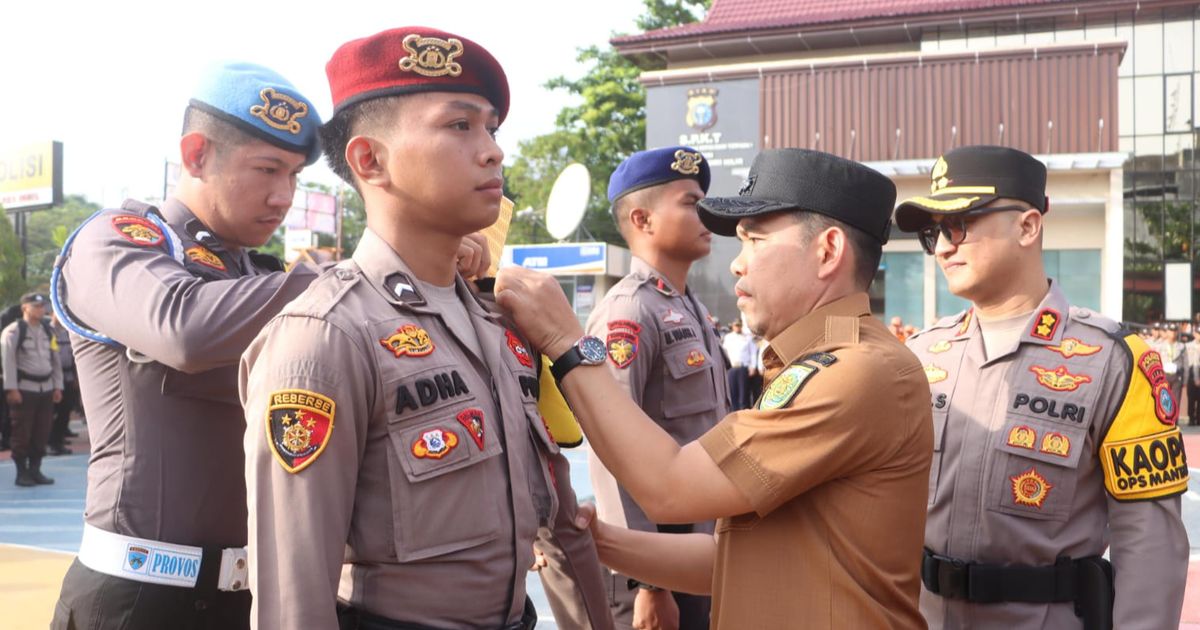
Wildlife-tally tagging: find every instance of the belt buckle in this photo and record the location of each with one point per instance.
(953, 577)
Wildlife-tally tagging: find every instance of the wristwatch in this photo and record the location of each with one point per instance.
(632, 584)
(588, 350)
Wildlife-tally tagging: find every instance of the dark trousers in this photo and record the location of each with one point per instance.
(739, 387)
(31, 420)
(1193, 393)
(693, 609)
(62, 412)
(96, 601)
(5, 423)
(754, 389)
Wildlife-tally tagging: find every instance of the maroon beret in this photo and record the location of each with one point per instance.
(414, 59)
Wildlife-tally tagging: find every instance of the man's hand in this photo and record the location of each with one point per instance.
(538, 305)
(13, 396)
(473, 256)
(539, 561)
(56, 397)
(655, 610)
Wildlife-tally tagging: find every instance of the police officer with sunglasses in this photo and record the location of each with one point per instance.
(1055, 435)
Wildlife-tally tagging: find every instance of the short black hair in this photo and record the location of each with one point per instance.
(349, 122)
(867, 249)
(222, 134)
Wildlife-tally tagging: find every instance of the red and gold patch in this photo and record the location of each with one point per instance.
(299, 423)
(518, 349)
(1150, 363)
(472, 421)
(1059, 380)
(935, 374)
(1022, 436)
(1030, 488)
(1046, 324)
(1055, 443)
(940, 347)
(409, 340)
(138, 230)
(435, 444)
(694, 358)
(1072, 347)
(205, 257)
(622, 342)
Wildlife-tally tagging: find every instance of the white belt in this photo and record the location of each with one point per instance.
(156, 562)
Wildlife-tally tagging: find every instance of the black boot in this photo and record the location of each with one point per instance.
(35, 472)
(23, 478)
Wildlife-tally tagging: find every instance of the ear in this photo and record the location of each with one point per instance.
(639, 218)
(830, 250)
(195, 150)
(1029, 226)
(367, 158)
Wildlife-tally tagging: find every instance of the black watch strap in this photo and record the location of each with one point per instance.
(565, 363)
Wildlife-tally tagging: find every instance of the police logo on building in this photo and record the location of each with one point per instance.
(280, 111)
(702, 108)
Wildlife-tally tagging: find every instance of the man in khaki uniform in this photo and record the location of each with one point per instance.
(819, 489)
(661, 349)
(33, 383)
(1055, 434)
(161, 303)
(398, 467)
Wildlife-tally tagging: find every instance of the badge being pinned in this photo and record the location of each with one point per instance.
(518, 349)
(299, 423)
(1059, 380)
(205, 257)
(138, 230)
(409, 340)
(472, 421)
(1072, 347)
(785, 387)
(1151, 365)
(1030, 488)
(435, 444)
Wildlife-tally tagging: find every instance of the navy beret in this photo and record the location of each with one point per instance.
(263, 104)
(658, 166)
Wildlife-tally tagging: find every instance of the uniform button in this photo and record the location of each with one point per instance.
(1083, 315)
(241, 564)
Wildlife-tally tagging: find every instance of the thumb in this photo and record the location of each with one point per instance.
(508, 299)
(584, 515)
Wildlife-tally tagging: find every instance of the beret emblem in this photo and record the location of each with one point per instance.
(280, 111)
(431, 56)
(687, 162)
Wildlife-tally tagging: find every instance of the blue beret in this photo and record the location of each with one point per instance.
(658, 166)
(263, 104)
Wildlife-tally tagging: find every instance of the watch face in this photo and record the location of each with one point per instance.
(593, 350)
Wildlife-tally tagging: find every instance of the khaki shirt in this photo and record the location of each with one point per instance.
(388, 465)
(666, 355)
(835, 460)
(1025, 443)
(165, 424)
(38, 356)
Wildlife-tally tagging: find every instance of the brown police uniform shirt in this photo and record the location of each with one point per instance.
(163, 414)
(1059, 445)
(666, 355)
(835, 460)
(37, 356)
(388, 464)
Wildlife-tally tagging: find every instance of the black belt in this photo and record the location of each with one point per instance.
(991, 583)
(22, 375)
(351, 618)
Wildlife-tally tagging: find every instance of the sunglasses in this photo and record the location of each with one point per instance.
(954, 227)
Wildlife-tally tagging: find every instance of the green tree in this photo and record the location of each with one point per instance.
(11, 283)
(47, 231)
(605, 127)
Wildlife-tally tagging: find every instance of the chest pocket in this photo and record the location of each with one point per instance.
(446, 479)
(1034, 465)
(688, 386)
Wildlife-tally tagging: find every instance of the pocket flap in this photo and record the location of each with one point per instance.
(439, 443)
(1055, 444)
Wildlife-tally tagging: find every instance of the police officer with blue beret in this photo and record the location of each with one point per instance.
(161, 302)
(661, 349)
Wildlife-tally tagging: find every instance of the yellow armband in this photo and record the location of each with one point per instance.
(553, 407)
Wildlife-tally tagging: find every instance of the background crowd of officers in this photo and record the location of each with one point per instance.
(375, 444)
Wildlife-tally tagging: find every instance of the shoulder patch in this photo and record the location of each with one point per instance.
(205, 257)
(138, 230)
(823, 358)
(299, 423)
(1142, 453)
(785, 386)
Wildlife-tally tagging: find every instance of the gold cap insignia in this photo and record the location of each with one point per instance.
(431, 56)
(1021, 437)
(687, 162)
(938, 175)
(280, 111)
(1056, 444)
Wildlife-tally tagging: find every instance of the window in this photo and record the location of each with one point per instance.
(903, 288)
(1077, 273)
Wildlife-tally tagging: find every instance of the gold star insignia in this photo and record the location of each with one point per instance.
(286, 419)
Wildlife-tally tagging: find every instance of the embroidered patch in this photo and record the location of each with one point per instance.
(409, 340)
(1056, 444)
(671, 317)
(138, 230)
(661, 286)
(1146, 467)
(472, 421)
(435, 444)
(280, 111)
(966, 323)
(205, 257)
(431, 56)
(1059, 380)
(1030, 488)
(518, 349)
(935, 374)
(784, 388)
(1072, 347)
(687, 162)
(1046, 324)
(823, 358)
(622, 348)
(626, 324)
(403, 288)
(695, 358)
(940, 347)
(299, 423)
(1022, 437)
(1151, 365)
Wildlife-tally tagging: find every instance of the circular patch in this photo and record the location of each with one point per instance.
(138, 230)
(1030, 488)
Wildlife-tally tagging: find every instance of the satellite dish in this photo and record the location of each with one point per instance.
(568, 200)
